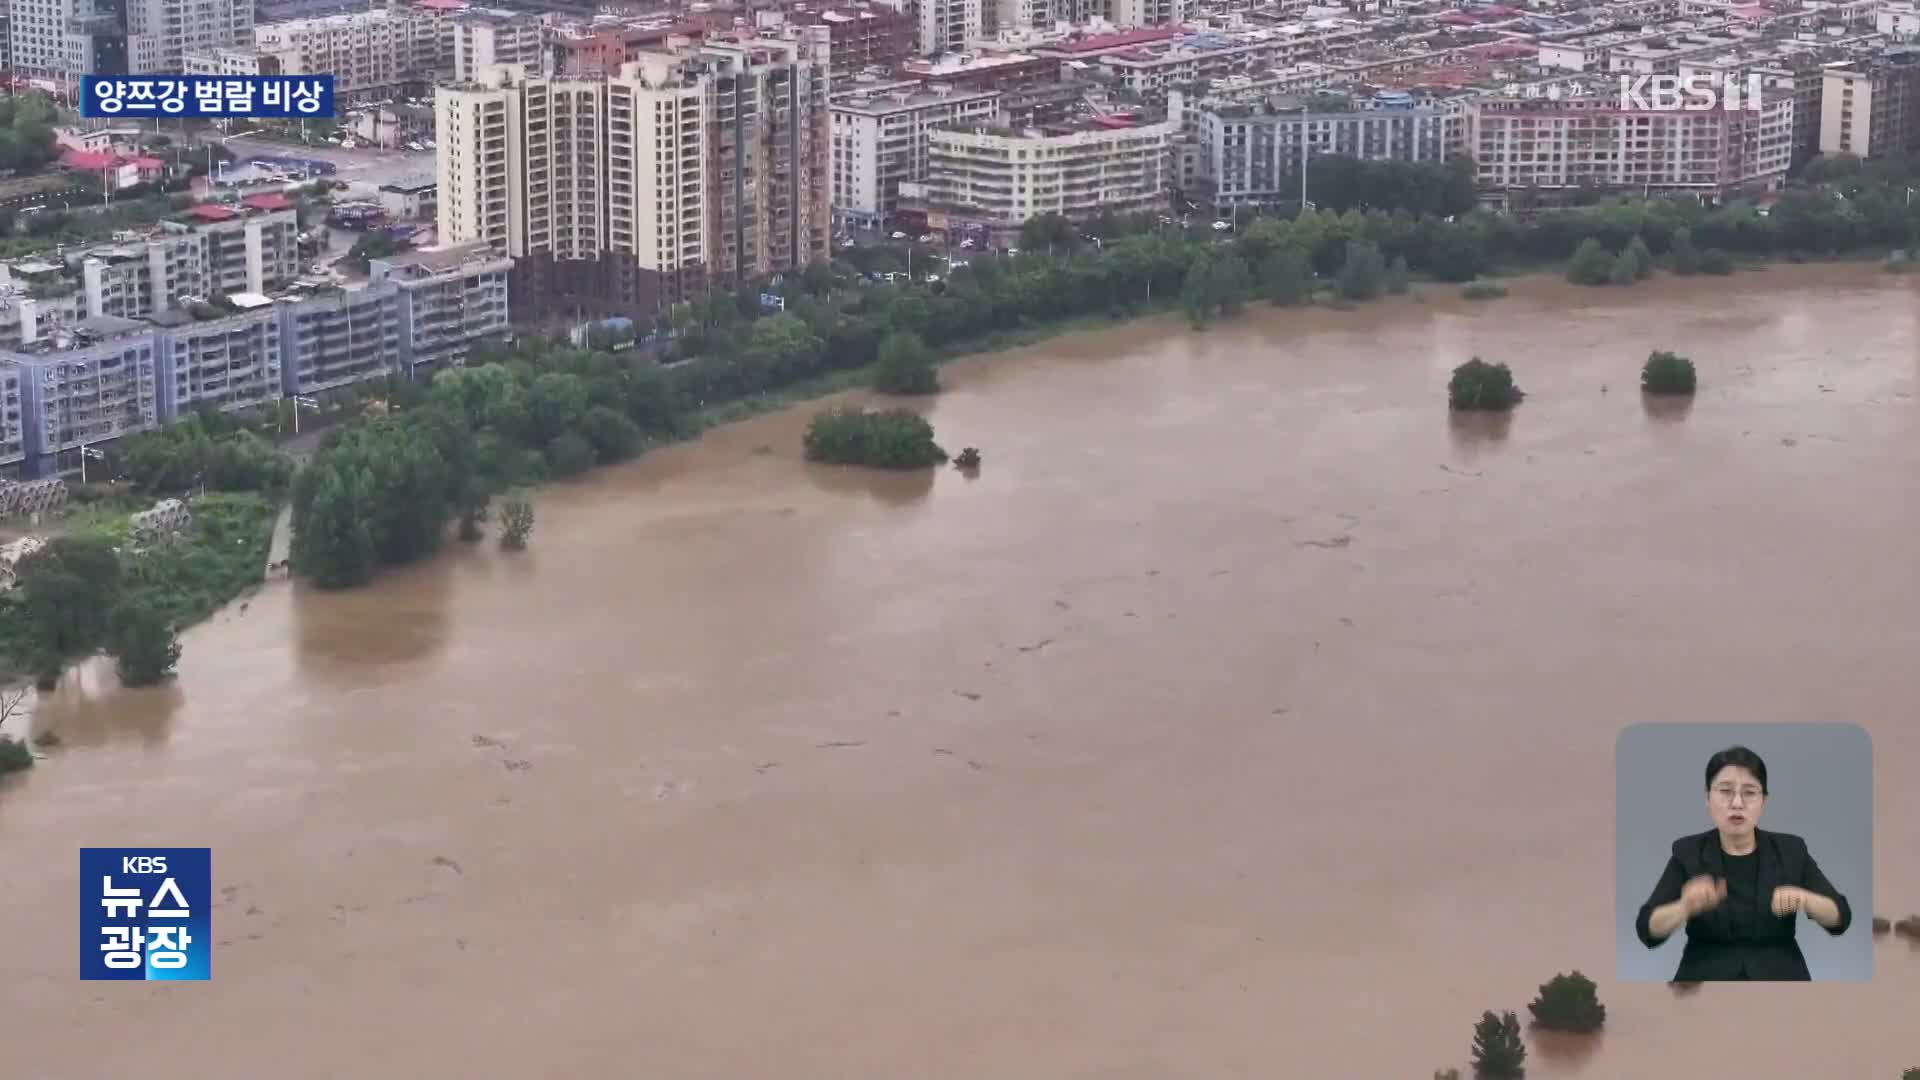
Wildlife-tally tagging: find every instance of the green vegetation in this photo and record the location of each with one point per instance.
(889, 439)
(377, 244)
(516, 521)
(142, 642)
(1215, 284)
(1569, 1003)
(1483, 290)
(905, 367)
(1399, 278)
(26, 131)
(1478, 386)
(1363, 273)
(1498, 1051)
(1681, 256)
(14, 755)
(1667, 373)
(208, 447)
(1286, 276)
(1716, 261)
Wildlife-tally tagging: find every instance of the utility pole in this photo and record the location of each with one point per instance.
(300, 402)
(85, 453)
(1303, 159)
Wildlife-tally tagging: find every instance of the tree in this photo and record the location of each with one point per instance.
(1716, 261)
(1197, 292)
(1364, 274)
(1479, 386)
(1286, 277)
(516, 521)
(556, 403)
(890, 439)
(1232, 283)
(1498, 1052)
(142, 642)
(1569, 1003)
(66, 590)
(1639, 258)
(1681, 253)
(1590, 265)
(783, 348)
(569, 455)
(14, 755)
(332, 543)
(1667, 373)
(612, 436)
(1624, 271)
(1398, 276)
(906, 367)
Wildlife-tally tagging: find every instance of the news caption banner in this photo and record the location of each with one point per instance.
(207, 96)
(146, 914)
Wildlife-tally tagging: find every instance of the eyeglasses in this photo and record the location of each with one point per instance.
(1747, 794)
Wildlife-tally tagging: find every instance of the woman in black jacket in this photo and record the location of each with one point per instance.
(1738, 887)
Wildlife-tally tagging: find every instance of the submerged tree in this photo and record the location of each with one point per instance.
(1569, 1003)
(516, 521)
(1668, 373)
(142, 642)
(1478, 386)
(1498, 1051)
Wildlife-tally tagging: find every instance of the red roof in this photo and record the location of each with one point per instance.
(144, 163)
(90, 159)
(267, 200)
(210, 212)
(1108, 42)
(442, 5)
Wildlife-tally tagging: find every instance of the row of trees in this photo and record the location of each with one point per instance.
(77, 596)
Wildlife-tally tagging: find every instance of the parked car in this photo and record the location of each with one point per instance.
(898, 235)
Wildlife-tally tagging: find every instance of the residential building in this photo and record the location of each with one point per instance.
(1149, 12)
(160, 33)
(1001, 177)
(65, 39)
(336, 337)
(860, 37)
(411, 198)
(1598, 141)
(984, 71)
(367, 52)
(483, 38)
(448, 298)
(947, 25)
(1871, 107)
(239, 60)
(13, 412)
(602, 50)
(229, 363)
(880, 138)
(225, 251)
(623, 193)
(91, 383)
(1250, 152)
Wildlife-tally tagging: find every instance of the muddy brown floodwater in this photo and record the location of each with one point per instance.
(1243, 717)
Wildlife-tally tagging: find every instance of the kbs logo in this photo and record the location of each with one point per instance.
(1690, 93)
(146, 913)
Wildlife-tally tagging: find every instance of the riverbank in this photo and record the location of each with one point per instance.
(1217, 605)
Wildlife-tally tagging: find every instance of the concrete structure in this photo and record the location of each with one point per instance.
(237, 60)
(600, 49)
(859, 37)
(12, 420)
(160, 33)
(625, 193)
(1250, 153)
(1002, 177)
(880, 138)
(30, 497)
(1871, 108)
(412, 198)
(449, 297)
(984, 71)
(65, 39)
(366, 51)
(231, 251)
(161, 523)
(1149, 12)
(1594, 141)
(483, 38)
(947, 25)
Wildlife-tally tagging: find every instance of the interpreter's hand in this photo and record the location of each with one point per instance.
(1788, 899)
(1703, 894)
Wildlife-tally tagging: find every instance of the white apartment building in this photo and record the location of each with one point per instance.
(98, 384)
(948, 25)
(880, 138)
(234, 60)
(1594, 141)
(160, 33)
(63, 39)
(1251, 152)
(1150, 12)
(13, 412)
(1006, 176)
(1871, 108)
(709, 159)
(482, 39)
(363, 50)
(1201, 57)
(1900, 21)
(657, 206)
(250, 253)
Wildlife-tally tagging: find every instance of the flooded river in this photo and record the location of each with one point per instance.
(1243, 717)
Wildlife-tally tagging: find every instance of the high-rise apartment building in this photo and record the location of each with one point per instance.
(483, 39)
(1250, 152)
(365, 51)
(880, 138)
(160, 33)
(627, 192)
(949, 25)
(65, 39)
(1871, 108)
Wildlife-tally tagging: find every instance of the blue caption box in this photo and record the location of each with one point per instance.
(218, 96)
(146, 914)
